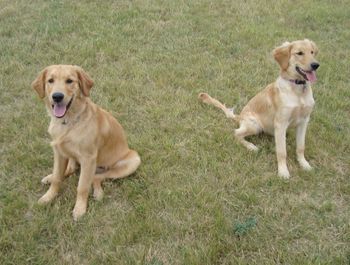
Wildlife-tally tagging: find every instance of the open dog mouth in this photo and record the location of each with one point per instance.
(307, 75)
(60, 109)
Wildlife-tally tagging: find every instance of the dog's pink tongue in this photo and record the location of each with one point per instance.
(311, 76)
(59, 110)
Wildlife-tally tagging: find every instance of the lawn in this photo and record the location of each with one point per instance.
(199, 197)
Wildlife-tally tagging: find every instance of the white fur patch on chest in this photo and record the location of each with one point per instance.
(296, 99)
(295, 95)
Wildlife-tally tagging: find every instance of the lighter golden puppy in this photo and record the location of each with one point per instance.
(287, 102)
(82, 134)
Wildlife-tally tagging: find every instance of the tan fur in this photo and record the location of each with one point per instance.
(280, 105)
(87, 136)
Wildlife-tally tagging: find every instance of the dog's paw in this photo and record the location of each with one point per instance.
(252, 147)
(78, 212)
(305, 165)
(79, 209)
(284, 173)
(98, 194)
(46, 198)
(47, 179)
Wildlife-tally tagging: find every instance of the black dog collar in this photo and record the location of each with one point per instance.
(298, 82)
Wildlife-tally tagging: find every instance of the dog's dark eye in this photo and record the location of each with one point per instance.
(300, 53)
(50, 80)
(312, 52)
(69, 81)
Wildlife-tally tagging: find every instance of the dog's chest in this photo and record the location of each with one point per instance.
(67, 139)
(300, 107)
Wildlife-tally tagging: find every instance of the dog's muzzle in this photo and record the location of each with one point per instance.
(60, 109)
(308, 75)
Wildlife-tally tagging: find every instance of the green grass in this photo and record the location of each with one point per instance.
(149, 60)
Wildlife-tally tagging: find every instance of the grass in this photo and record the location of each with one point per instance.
(149, 60)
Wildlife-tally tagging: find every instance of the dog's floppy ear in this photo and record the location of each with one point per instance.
(85, 81)
(313, 46)
(39, 83)
(282, 55)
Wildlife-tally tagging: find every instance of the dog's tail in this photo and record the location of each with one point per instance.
(204, 97)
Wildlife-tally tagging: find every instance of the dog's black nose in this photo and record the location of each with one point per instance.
(57, 97)
(314, 66)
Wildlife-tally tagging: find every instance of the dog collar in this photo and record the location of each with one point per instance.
(297, 82)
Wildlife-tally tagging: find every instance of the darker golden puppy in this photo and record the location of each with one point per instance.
(287, 102)
(82, 133)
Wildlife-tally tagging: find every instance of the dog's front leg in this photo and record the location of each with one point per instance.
(60, 164)
(281, 151)
(300, 137)
(87, 172)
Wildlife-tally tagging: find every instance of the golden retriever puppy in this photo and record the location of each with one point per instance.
(287, 102)
(82, 133)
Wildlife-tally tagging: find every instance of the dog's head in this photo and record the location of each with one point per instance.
(297, 60)
(61, 86)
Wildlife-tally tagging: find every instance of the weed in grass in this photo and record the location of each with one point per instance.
(241, 229)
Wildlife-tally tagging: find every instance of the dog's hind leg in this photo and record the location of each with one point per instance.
(71, 168)
(122, 168)
(247, 128)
